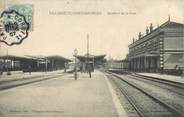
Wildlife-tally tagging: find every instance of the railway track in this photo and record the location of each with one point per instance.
(165, 81)
(172, 86)
(143, 102)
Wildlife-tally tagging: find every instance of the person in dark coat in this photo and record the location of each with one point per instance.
(89, 70)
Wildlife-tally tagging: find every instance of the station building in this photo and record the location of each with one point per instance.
(159, 50)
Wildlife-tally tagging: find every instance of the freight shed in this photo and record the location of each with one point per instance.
(32, 63)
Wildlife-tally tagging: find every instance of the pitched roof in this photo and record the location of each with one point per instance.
(156, 30)
(83, 57)
(58, 58)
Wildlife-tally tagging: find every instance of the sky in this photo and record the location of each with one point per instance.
(110, 34)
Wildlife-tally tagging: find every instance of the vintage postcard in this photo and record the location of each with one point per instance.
(91, 58)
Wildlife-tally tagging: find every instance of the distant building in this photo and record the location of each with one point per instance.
(94, 61)
(159, 50)
(118, 64)
(56, 62)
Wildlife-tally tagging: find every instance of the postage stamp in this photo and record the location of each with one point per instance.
(24, 9)
(13, 27)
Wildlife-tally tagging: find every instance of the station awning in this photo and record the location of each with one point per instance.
(84, 57)
(145, 55)
(18, 58)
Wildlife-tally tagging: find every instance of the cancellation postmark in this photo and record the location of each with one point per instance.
(13, 27)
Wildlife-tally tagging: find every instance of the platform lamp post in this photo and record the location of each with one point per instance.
(75, 67)
(121, 63)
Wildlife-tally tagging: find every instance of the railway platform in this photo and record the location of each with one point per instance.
(173, 78)
(18, 75)
(63, 96)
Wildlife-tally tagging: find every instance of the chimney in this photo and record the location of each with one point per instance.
(169, 19)
(147, 30)
(151, 27)
(139, 36)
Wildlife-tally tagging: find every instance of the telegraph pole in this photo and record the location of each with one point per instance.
(87, 53)
(88, 64)
(87, 47)
(75, 66)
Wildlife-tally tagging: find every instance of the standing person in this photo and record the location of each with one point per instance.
(29, 68)
(81, 68)
(89, 70)
(65, 67)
